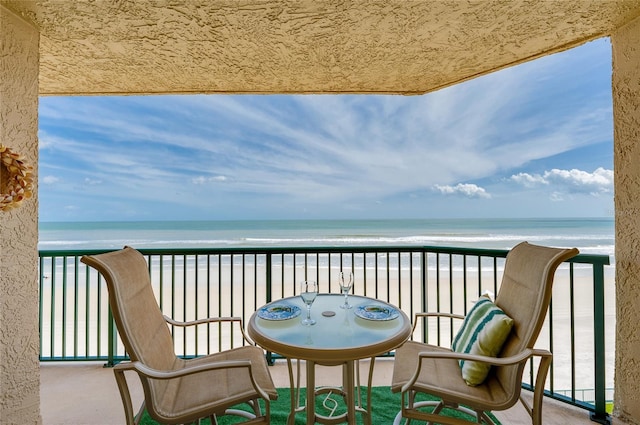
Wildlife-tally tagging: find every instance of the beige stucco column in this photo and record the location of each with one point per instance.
(626, 114)
(19, 340)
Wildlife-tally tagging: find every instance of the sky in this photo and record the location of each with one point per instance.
(533, 140)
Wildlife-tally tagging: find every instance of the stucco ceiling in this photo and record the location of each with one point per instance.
(307, 46)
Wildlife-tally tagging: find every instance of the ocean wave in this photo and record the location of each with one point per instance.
(594, 244)
(429, 238)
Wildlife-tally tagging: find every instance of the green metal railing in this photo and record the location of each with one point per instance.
(76, 324)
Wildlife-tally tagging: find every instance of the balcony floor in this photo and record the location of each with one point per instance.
(86, 394)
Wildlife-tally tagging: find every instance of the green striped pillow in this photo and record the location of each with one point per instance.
(484, 331)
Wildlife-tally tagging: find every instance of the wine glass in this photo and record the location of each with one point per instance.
(346, 282)
(308, 293)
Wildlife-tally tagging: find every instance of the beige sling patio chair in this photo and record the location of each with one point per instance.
(176, 390)
(524, 296)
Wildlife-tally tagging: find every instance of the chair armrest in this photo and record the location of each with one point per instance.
(151, 373)
(434, 314)
(524, 355)
(438, 314)
(209, 320)
(178, 373)
(201, 321)
(494, 361)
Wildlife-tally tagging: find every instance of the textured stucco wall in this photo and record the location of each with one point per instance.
(19, 347)
(626, 98)
(301, 46)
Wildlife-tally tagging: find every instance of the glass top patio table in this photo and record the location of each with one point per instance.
(337, 337)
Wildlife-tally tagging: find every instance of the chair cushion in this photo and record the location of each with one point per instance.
(484, 332)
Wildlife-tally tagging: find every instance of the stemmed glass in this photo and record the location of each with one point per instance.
(346, 282)
(308, 293)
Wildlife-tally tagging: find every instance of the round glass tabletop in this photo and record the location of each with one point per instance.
(370, 328)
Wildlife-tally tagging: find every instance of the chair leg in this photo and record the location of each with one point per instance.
(121, 380)
(538, 393)
(267, 411)
(255, 406)
(399, 417)
(483, 416)
(138, 417)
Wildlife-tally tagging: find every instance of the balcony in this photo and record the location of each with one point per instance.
(75, 322)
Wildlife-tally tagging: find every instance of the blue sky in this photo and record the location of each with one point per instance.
(534, 140)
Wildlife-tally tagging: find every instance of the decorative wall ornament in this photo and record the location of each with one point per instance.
(16, 179)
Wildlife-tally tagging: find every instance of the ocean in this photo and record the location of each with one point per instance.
(590, 235)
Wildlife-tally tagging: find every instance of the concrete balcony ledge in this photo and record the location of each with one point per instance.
(86, 394)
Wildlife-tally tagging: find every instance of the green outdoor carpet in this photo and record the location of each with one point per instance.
(384, 408)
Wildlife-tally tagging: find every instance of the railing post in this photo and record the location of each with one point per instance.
(111, 343)
(269, 295)
(268, 281)
(600, 415)
(423, 294)
(41, 307)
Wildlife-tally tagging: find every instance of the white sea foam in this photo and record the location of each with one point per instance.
(590, 236)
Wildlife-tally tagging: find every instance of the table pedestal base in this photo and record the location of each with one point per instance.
(350, 392)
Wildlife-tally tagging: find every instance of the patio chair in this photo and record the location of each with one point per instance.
(455, 375)
(176, 390)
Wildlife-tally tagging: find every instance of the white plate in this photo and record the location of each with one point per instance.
(376, 312)
(279, 312)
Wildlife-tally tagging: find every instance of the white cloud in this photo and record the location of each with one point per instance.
(203, 179)
(50, 180)
(599, 182)
(92, 182)
(469, 190)
(528, 180)
(556, 197)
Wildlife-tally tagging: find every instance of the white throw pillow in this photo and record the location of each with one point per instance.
(484, 331)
